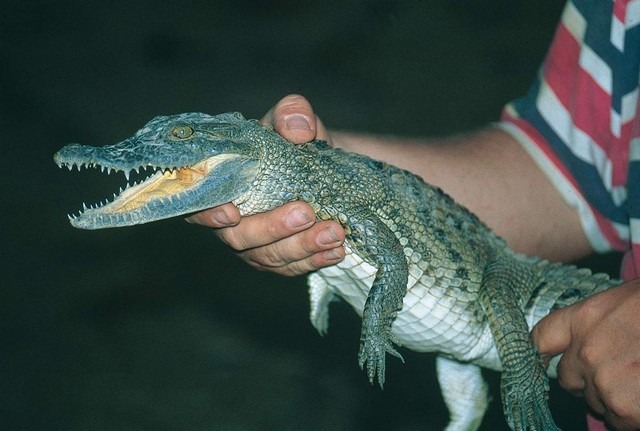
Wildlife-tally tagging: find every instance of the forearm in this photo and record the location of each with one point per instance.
(488, 172)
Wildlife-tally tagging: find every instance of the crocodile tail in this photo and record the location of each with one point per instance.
(560, 286)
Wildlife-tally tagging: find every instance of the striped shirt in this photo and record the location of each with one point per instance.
(580, 120)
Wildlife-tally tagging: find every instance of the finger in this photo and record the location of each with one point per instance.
(294, 119)
(570, 374)
(221, 216)
(265, 228)
(592, 398)
(552, 335)
(312, 263)
(302, 251)
(304, 266)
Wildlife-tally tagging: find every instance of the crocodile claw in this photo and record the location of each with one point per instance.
(373, 350)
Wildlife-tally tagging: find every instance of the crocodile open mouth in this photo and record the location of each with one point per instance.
(160, 188)
(161, 184)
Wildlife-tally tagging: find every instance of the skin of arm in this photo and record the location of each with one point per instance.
(490, 173)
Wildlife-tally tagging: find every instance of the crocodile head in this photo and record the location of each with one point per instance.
(198, 161)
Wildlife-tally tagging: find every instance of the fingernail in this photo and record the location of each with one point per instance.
(332, 254)
(296, 122)
(328, 237)
(296, 218)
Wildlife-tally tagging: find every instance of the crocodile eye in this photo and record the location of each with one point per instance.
(182, 132)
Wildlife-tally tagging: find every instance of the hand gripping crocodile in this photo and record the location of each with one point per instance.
(421, 271)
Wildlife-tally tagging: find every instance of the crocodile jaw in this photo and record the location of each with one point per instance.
(166, 193)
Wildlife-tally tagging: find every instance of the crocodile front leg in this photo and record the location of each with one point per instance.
(524, 384)
(379, 245)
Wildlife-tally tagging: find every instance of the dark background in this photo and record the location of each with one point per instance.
(160, 327)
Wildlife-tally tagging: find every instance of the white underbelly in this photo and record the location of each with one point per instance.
(431, 319)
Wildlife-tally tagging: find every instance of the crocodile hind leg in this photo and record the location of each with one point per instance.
(524, 385)
(465, 393)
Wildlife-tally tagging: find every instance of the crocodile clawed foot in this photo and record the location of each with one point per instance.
(373, 350)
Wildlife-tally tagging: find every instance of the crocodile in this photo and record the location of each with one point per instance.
(422, 271)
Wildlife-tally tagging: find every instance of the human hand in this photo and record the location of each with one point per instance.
(599, 338)
(286, 240)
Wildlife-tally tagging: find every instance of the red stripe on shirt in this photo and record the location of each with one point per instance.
(562, 65)
(620, 9)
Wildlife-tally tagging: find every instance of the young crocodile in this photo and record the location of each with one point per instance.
(422, 271)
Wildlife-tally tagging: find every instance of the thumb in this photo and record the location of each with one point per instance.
(552, 335)
(293, 118)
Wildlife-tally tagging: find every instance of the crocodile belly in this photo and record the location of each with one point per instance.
(432, 317)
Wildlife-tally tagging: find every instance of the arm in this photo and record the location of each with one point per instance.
(487, 171)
